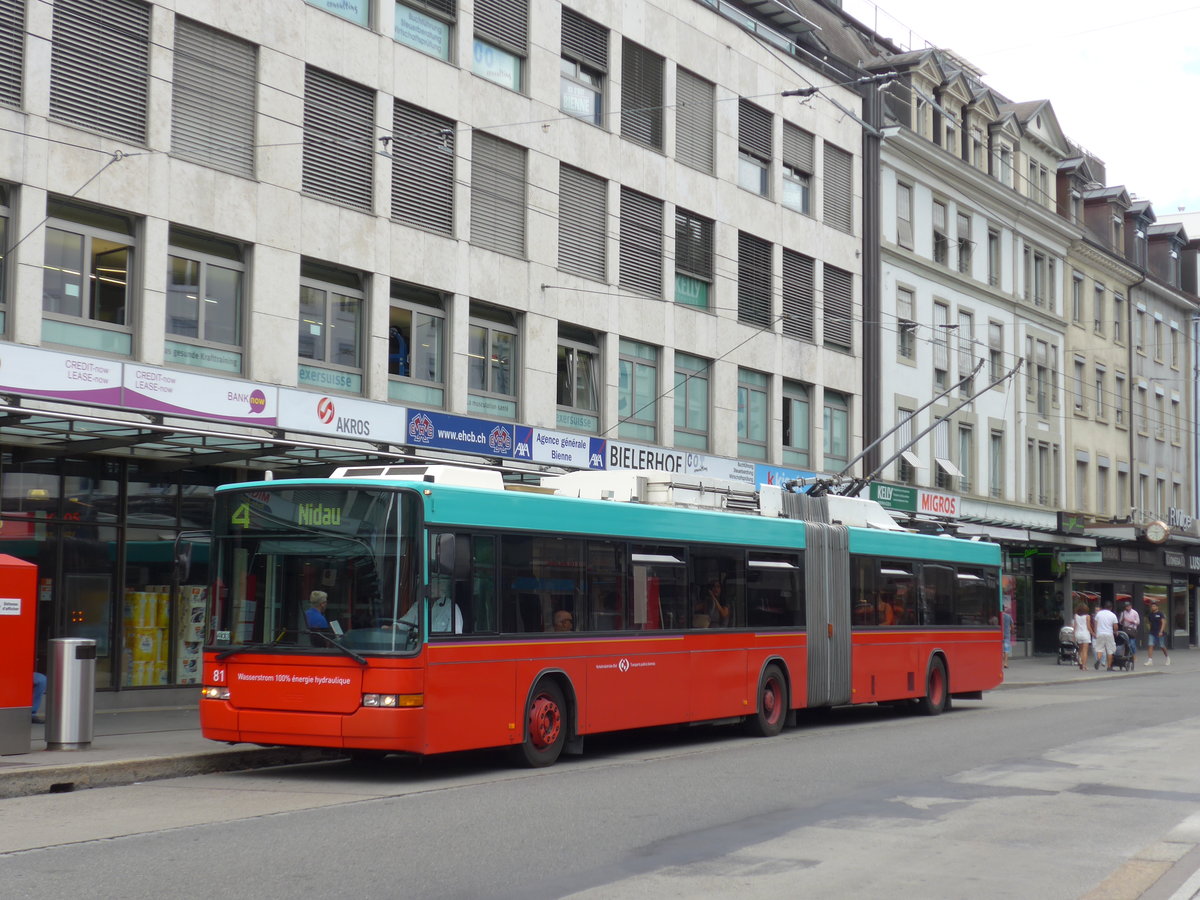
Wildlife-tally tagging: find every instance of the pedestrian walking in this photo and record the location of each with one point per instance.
(1083, 633)
(1156, 634)
(1129, 623)
(1006, 636)
(1105, 623)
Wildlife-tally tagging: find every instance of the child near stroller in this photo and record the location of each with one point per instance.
(1123, 658)
(1068, 650)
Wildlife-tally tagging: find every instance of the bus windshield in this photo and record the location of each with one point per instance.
(315, 569)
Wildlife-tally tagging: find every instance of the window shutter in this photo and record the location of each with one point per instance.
(339, 139)
(582, 221)
(12, 50)
(504, 21)
(693, 245)
(754, 129)
(838, 308)
(839, 189)
(212, 100)
(797, 148)
(445, 7)
(422, 169)
(584, 41)
(497, 195)
(100, 66)
(694, 118)
(798, 295)
(641, 243)
(641, 95)
(754, 280)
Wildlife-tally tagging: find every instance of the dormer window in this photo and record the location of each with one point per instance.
(1118, 232)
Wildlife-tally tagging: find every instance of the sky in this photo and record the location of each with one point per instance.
(1123, 78)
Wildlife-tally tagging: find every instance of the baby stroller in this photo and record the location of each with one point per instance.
(1123, 658)
(1068, 650)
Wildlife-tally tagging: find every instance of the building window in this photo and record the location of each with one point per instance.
(1081, 473)
(426, 25)
(754, 148)
(641, 243)
(965, 245)
(204, 302)
(579, 379)
(1039, 279)
(583, 66)
(941, 345)
(839, 309)
(86, 294)
(941, 240)
(693, 259)
(797, 424)
(417, 345)
(641, 95)
(966, 458)
(497, 195)
(691, 401)
(358, 13)
(213, 98)
(637, 392)
(331, 318)
(1006, 166)
(422, 151)
(1158, 340)
(996, 464)
(996, 364)
(1077, 298)
(501, 41)
(965, 336)
(1101, 373)
(754, 280)
(993, 258)
(1118, 319)
(492, 362)
(694, 121)
(839, 188)
(906, 324)
(753, 410)
(1139, 331)
(836, 429)
(906, 462)
(1099, 312)
(904, 228)
(798, 168)
(1119, 388)
(110, 49)
(1174, 347)
(582, 223)
(799, 296)
(1079, 382)
(339, 140)
(1176, 420)
(1102, 489)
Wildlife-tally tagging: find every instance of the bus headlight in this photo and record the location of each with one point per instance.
(214, 693)
(393, 701)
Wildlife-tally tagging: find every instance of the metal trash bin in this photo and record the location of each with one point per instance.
(70, 694)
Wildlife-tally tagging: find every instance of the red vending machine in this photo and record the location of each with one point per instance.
(18, 616)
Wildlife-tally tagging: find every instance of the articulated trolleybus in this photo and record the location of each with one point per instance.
(426, 609)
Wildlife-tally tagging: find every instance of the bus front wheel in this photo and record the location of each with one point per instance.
(937, 690)
(772, 704)
(545, 726)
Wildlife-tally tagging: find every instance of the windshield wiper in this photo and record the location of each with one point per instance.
(361, 660)
(250, 648)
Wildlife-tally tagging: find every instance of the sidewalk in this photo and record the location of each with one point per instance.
(144, 744)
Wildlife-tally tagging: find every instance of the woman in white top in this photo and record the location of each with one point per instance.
(1083, 633)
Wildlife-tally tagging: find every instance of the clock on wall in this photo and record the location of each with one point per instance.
(1157, 532)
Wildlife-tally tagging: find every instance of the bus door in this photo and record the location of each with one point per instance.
(827, 597)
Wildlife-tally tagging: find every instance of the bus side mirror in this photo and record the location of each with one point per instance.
(444, 554)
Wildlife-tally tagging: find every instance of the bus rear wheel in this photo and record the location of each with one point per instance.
(937, 690)
(768, 719)
(545, 727)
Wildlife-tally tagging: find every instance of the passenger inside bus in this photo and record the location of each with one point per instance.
(563, 620)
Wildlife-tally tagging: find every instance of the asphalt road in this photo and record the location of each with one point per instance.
(1046, 791)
